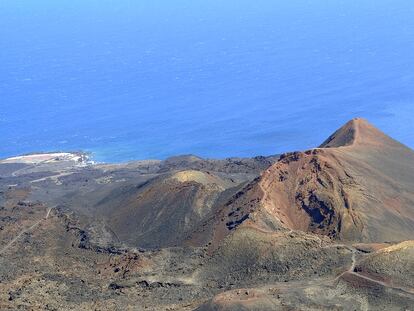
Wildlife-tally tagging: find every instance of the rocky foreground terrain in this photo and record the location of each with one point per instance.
(330, 228)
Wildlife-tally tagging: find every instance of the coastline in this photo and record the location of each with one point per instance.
(81, 158)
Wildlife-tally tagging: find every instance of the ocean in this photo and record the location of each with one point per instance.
(148, 79)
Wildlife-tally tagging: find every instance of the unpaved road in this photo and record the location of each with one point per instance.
(17, 237)
(54, 178)
(351, 270)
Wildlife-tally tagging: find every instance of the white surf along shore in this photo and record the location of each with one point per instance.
(80, 159)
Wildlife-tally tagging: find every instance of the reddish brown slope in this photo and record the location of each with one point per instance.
(359, 185)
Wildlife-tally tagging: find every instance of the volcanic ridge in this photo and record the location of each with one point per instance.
(331, 228)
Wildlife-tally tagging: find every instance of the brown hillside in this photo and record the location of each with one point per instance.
(359, 185)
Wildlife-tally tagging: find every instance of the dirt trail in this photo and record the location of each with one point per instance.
(351, 270)
(353, 258)
(16, 238)
(55, 178)
(329, 281)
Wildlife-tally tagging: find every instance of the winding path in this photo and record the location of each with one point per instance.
(329, 280)
(351, 271)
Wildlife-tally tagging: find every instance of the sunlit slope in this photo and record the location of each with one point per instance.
(359, 185)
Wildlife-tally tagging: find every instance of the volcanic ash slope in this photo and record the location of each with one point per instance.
(357, 186)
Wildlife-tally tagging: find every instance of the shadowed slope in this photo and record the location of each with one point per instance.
(160, 212)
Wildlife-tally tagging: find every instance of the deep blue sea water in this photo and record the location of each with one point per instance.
(154, 78)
